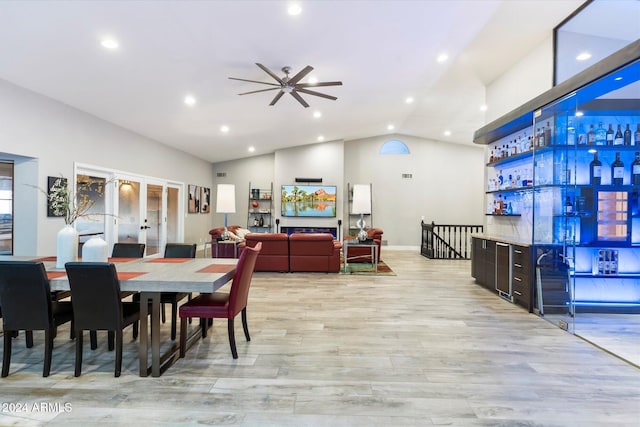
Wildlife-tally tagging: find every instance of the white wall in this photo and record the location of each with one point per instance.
(56, 136)
(446, 187)
(528, 78)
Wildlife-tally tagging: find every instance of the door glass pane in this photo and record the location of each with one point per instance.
(128, 211)
(6, 208)
(153, 220)
(172, 214)
(90, 192)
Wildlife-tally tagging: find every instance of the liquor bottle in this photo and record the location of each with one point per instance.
(635, 170)
(601, 135)
(618, 139)
(609, 135)
(627, 136)
(568, 206)
(547, 134)
(591, 136)
(541, 138)
(617, 171)
(261, 221)
(637, 136)
(255, 222)
(509, 209)
(491, 159)
(514, 148)
(582, 135)
(571, 134)
(595, 170)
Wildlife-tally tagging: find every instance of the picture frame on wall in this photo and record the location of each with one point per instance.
(51, 181)
(194, 199)
(205, 200)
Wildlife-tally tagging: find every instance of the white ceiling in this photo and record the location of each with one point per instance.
(382, 51)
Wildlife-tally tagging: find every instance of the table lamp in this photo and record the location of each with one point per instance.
(226, 204)
(361, 204)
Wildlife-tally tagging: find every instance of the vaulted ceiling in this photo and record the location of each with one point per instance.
(382, 51)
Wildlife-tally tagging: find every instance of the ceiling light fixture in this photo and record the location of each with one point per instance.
(320, 138)
(224, 128)
(317, 114)
(447, 133)
(409, 100)
(312, 80)
(251, 149)
(189, 100)
(391, 127)
(442, 58)
(483, 107)
(583, 56)
(109, 44)
(294, 9)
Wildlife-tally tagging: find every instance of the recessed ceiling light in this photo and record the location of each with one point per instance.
(224, 128)
(294, 9)
(409, 100)
(483, 107)
(390, 127)
(312, 80)
(189, 100)
(109, 43)
(618, 79)
(320, 138)
(442, 57)
(251, 149)
(317, 114)
(447, 133)
(583, 56)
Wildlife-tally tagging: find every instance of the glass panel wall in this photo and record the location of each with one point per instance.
(6, 208)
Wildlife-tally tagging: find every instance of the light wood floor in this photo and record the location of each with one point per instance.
(425, 347)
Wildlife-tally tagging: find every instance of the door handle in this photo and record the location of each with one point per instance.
(144, 227)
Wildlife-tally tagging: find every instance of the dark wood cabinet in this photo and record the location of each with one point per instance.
(503, 269)
(522, 276)
(483, 262)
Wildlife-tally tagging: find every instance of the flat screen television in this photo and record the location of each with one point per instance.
(309, 201)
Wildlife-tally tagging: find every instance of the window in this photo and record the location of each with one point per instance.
(6, 208)
(394, 146)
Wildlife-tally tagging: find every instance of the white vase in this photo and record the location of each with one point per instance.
(95, 250)
(67, 246)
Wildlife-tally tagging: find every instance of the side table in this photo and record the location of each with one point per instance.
(225, 249)
(357, 244)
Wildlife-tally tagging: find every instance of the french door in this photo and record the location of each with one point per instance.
(136, 209)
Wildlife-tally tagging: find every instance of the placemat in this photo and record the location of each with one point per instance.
(169, 260)
(121, 259)
(55, 274)
(217, 268)
(45, 259)
(126, 275)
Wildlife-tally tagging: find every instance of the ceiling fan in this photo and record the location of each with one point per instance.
(290, 85)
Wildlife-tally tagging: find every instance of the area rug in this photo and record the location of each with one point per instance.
(365, 268)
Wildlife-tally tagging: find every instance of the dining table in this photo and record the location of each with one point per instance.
(150, 277)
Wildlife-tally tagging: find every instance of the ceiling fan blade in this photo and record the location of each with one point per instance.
(254, 81)
(313, 92)
(261, 90)
(299, 98)
(278, 96)
(268, 71)
(295, 79)
(319, 84)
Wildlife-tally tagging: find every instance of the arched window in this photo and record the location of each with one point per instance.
(394, 146)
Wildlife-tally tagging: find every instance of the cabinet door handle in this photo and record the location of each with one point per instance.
(517, 293)
(517, 279)
(515, 264)
(517, 251)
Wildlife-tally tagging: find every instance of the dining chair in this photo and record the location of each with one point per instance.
(25, 297)
(223, 305)
(176, 250)
(128, 250)
(95, 295)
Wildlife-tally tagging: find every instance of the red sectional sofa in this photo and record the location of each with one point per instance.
(311, 252)
(314, 252)
(274, 255)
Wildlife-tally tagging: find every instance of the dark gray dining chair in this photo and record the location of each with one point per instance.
(25, 297)
(95, 295)
(128, 250)
(176, 250)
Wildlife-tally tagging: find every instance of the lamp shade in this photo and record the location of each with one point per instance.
(361, 203)
(226, 198)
